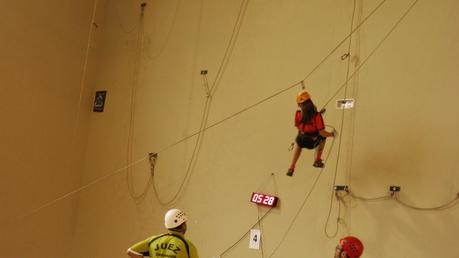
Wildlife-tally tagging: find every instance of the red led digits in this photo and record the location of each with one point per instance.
(264, 199)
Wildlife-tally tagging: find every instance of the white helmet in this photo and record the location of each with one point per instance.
(174, 218)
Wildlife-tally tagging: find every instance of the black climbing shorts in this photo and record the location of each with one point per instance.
(309, 141)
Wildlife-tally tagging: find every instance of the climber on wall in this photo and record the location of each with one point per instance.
(311, 131)
(349, 247)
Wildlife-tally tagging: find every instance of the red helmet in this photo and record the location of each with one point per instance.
(352, 245)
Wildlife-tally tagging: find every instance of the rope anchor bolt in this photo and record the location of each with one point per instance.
(152, 157)
(345, 56)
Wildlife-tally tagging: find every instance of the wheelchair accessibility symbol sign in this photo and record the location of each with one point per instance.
(99, 101)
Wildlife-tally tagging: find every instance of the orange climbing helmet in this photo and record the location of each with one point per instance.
(302, 97)
(352, 245)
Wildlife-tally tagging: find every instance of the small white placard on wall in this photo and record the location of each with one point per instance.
(344, 103)
(255, 238)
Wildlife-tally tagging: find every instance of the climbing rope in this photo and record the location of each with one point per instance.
(194, 155)
(395, 197)
(230, 47)
(344, 85)
(132, 104)
(260, 219)
(287, 88)
(340, 130)
(92, 25)
(166, 39)
(210, 91)
(112, 173)
(121, 25)
(305, 200)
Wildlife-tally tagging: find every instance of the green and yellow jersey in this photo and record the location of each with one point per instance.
(170, 245)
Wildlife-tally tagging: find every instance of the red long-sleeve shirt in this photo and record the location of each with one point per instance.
(314, 125)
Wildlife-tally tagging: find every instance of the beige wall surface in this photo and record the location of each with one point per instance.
(43, 52)
(402, 131)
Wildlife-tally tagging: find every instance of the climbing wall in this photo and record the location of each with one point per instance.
(199, 115)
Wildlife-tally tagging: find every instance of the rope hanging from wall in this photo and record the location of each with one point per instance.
(394, 196)
(210, 92)
(131, 164)
(132, 103)
(344, 85)
(335, 174)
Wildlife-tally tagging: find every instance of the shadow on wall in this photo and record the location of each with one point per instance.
(392, 159)
(403, 159)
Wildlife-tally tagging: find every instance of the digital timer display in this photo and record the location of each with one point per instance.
(264, 199)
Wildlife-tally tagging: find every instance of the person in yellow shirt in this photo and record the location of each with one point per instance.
(170, 245)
